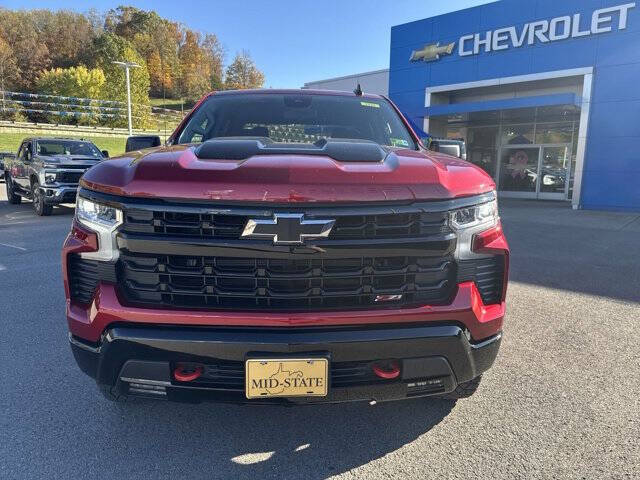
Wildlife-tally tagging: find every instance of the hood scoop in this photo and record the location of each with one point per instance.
(242, 148)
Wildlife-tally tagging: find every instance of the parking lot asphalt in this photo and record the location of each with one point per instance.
(560, 402)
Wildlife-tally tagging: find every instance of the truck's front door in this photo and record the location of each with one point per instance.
(20, 170)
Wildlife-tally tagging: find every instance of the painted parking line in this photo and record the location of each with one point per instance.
(18, 215)
(13, 246)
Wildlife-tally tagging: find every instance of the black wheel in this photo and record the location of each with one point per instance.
(12, 196)
(464, 390)
(111, 394)
(41, 208)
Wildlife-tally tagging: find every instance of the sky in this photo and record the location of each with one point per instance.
(292, 42)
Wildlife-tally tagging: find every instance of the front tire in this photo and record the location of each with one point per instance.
(12, 196)
(39, 206)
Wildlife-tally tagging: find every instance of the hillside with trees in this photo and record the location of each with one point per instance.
(68, 56)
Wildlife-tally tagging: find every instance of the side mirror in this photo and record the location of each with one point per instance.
(105, 153)
(426, 141)
(140, 142)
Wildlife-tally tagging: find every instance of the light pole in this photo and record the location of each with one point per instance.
(127, 66)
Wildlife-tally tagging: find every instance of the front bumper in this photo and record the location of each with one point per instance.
(106, 309)
(56, 195)
(138, 361)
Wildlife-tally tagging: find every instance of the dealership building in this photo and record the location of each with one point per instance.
(545, 93)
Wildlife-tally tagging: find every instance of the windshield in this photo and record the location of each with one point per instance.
(297, 118)
(67, 147)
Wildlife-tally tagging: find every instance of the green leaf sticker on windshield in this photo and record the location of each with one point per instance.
(399, 142)
(370, 104)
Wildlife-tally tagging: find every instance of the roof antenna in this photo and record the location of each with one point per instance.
(358, 90)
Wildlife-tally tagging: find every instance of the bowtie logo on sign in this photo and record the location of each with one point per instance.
(432, 52)
(542, 31)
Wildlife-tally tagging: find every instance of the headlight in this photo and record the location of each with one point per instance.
(49, 178)
(96, 215)
(476, 215)
(104, 220)
(470, 221)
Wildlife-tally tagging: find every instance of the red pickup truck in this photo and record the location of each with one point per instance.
(286, 246)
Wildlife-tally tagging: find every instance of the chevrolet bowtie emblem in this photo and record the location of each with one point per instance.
(432, 52)
(287, 228)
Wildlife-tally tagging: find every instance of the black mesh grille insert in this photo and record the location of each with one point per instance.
(230, 226)
(487, 273)
(68, 177)
(400, 225)
(84, 276)
(285, 284)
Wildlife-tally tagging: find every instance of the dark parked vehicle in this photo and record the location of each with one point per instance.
(286, 246)
(3, 156)
(47, 171)
(455, 148)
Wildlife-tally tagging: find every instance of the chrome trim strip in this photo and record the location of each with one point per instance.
(488, 341)
(152, 392)
(144, 381)
(268, 209)
(82, 345)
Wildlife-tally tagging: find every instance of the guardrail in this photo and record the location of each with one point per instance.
(74, 130)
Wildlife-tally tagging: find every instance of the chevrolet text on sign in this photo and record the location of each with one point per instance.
(541, 31)
(544, 31)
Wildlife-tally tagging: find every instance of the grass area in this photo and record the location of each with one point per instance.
(9, 142)
(171, 103)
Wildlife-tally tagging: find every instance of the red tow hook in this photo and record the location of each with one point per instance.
(387, 370)
(187, 373)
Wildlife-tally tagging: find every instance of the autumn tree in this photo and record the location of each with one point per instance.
(108, 48)
(20, 31)
(176, 61)
(214, 53)
(67, 35)
(9, 73)
(75, 82)
(72, 82)
(41, 39)
(165, 37)
(196, 70)
(156, 39)
(96, 19)
(243, 73)
(9, 70)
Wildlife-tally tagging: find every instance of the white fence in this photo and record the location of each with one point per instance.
(73, 130)
(63, 110)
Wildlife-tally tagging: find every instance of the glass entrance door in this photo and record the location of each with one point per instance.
(518, 172)
(534, 171)
(554, 172)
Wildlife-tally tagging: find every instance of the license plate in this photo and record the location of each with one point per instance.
(290, 377)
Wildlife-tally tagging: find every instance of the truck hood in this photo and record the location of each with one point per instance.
(68, 160)
(175, 172)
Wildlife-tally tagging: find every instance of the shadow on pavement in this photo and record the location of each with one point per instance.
(590, 252)
(24, 210)
(309, 442)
